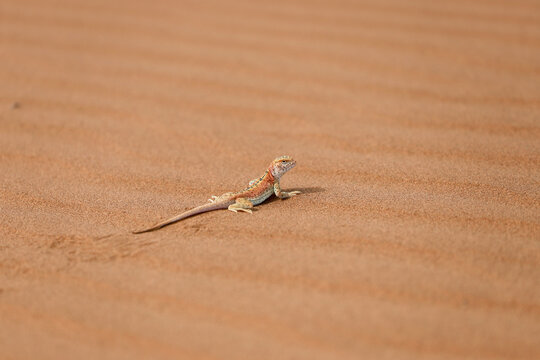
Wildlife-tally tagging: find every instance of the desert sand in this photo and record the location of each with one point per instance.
(416, 128)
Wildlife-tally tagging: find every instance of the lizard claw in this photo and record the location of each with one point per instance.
(236, 210)
(293, 193)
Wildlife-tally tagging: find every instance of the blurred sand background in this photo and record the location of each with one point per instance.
(416, 127)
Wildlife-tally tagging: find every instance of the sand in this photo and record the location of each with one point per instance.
(416, 128)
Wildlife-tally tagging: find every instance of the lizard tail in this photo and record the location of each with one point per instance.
(182, 216)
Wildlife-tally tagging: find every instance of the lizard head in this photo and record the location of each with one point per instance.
(281, 165)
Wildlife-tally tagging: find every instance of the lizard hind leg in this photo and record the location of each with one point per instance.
(241, 204)
(220, 198)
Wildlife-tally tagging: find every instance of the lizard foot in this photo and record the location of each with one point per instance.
(215, 198)
(237, 210)
(290, 194)
(241, 204)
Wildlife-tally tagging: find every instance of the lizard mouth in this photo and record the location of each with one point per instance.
(290, 165)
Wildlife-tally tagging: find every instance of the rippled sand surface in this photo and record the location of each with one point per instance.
(417, 134)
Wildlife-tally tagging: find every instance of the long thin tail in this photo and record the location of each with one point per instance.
(192, 212)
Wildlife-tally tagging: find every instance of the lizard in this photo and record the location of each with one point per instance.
(257, 191)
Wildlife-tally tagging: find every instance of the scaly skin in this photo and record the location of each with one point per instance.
(257, 191)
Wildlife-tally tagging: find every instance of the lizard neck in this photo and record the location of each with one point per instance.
(271, 176)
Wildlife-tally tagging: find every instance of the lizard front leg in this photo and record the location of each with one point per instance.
(241, 204)
(283, 194)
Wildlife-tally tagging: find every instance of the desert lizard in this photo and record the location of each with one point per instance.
(257, 191)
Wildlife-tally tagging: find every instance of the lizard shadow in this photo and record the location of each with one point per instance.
(305, 191)
(311, 190)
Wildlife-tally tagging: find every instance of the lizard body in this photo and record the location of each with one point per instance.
(257, 191)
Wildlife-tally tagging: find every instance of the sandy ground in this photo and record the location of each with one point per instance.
(416, 127)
